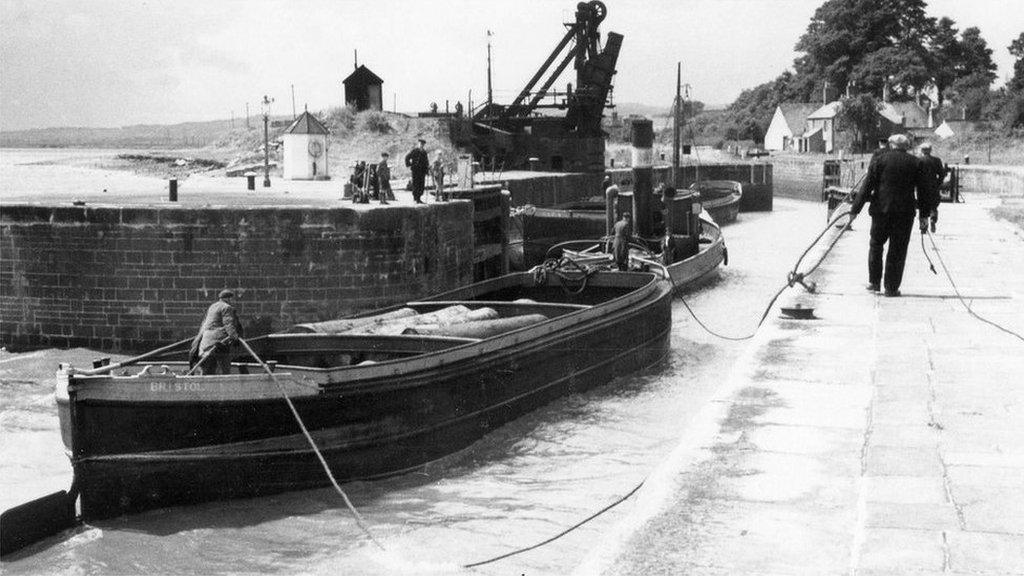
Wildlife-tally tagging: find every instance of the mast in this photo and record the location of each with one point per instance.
(490, 94)
(676, 111)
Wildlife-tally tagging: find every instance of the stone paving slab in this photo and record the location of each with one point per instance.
(884, 437)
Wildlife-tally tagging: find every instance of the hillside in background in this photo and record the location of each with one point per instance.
(354, 137)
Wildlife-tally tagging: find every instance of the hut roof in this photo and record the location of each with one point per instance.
(362, 75)
(306, 123)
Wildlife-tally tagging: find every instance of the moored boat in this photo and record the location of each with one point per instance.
(694, 248)
(721, 198)
(381, 393)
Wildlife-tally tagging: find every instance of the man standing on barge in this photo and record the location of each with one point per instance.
(220, 330)
(623, 231)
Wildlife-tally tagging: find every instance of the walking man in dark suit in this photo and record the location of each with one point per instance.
(220, 330)
(933, 171)
(417, 162)
(890, 185)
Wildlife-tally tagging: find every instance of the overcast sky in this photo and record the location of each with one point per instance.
(120, 62)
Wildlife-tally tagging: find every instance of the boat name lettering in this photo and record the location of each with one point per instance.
(176, 387)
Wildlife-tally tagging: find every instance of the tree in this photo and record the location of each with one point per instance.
(1016, 48)
(945, 51)
(842, 35)
(859, 114)
(964, 61)
(905, 72)
(976, 56)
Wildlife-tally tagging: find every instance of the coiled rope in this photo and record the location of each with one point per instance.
(558, 267)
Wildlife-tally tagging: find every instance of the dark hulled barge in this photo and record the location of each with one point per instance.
(379, 394)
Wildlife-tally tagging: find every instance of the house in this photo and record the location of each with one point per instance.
(906, 114)
(788, 122)
(305, 149)
(820, 132)
(363, 89)
(953, 127)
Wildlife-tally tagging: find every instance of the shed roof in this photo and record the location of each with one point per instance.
(306, 123)
(796, 114)
(362, 75)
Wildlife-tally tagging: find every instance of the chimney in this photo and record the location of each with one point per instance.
(824, 92)
(885, 92)
(355, 59)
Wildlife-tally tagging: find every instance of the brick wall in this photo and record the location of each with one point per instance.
(130, 278)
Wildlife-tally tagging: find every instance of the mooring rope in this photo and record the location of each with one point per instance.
(312, 444)
(793, 278)
(620, 500)
(956, 290)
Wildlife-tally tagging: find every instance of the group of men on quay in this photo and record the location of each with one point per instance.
(897, 185)
(374, 180)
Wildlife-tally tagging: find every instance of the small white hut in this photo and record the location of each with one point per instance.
(305, 149)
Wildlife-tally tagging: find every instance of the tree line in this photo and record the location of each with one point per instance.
(857, 47)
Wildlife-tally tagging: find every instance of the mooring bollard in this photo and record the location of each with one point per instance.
(172, 189)
(250, 181)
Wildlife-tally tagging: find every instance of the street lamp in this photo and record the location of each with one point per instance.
(266, 140)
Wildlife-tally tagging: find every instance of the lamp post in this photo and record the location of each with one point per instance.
(266, 140)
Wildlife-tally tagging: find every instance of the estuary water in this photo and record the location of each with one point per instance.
(517, 486)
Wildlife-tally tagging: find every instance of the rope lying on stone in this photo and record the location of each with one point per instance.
(956, 290)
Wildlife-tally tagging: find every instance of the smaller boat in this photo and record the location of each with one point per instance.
(721, 198)
(693, 247)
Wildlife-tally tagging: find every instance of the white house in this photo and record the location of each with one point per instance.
(305, 149)
(956, 127)
(788, 123)
(822, 120)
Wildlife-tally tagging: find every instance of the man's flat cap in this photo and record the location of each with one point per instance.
(226, 294)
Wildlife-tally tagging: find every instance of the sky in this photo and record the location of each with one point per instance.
(109, 63)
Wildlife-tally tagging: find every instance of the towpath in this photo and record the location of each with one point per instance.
(884, 437)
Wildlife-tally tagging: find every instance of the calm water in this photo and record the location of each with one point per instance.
(520, 484)
(41, 174)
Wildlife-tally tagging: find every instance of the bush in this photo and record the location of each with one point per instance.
(341, 119)
(375, 122)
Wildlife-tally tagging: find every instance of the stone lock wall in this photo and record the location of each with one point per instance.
(131, 278)
(757, 180)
